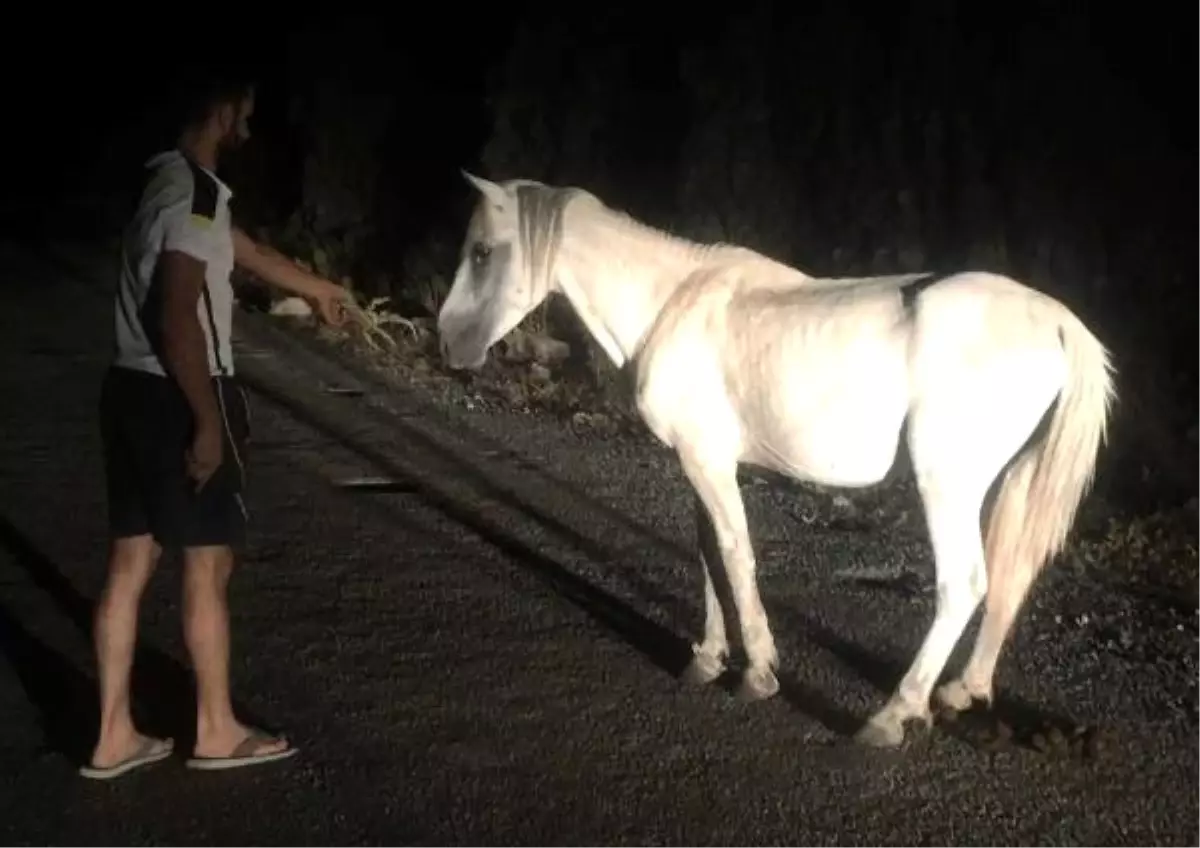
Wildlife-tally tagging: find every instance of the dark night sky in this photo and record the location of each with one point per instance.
(116, 73)
(102, 71)
(79, 83)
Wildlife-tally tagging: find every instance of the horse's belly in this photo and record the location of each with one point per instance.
(838, 426)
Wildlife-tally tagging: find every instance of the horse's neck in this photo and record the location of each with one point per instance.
(618, 274)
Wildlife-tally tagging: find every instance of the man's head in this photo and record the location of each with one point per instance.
(218, 108)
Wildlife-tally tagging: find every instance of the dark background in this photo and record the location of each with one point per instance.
(1052, 141)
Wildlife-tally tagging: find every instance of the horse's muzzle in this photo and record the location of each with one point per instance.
(460, 357)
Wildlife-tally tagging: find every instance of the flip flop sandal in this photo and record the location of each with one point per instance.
(150, 751)
(243, 754)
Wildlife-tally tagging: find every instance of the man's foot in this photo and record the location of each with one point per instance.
(109, 761)
(253, 747)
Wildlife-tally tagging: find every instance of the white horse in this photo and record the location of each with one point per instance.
(741, 359)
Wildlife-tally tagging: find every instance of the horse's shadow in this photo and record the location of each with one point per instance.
(417, 432)
(664, 648)
(1008, 722)
(654, 641)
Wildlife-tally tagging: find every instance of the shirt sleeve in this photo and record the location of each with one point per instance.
(188, 223)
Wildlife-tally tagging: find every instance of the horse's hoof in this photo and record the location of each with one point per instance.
(957, 697)
(758, 684)
(703, 669)
(880, 734)
(954, 696)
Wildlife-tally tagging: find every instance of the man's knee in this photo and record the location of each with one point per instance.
(134, 556)
(207, 565)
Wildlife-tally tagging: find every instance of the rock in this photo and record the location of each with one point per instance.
(547, 350)
(843, 503)
(520, 346)
(292, 307)
(514, 394)
(513, 347)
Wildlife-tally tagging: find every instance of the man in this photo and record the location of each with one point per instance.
(174, 427)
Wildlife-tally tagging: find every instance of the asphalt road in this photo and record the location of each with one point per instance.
(480, 646)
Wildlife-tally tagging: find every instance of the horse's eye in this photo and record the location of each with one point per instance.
(480, 252)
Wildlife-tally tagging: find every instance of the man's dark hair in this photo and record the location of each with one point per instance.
(201, 90)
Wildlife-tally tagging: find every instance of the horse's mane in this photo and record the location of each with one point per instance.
(542, 207)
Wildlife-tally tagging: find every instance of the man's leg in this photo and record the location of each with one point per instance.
(216, 523)
(132, 557)
(206, 573)
(130, 564)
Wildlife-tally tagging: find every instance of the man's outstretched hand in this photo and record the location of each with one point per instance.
(331, 301)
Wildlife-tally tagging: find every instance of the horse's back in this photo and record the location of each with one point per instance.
(971, 319)
(809, 381)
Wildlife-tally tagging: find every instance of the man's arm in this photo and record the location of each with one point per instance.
(185, 353)
(274, 268)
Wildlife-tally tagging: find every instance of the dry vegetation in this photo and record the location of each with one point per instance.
(528, 371)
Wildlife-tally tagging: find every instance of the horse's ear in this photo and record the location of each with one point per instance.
(492, 191)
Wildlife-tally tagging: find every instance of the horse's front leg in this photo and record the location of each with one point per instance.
(715, 482)
(708, 660)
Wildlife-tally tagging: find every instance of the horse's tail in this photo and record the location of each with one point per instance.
(1043, 488)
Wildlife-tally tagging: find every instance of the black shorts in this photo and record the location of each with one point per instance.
(146, 426)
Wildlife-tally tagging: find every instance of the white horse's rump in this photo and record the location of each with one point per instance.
(741, 359)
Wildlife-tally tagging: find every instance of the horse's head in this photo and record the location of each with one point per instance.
(505, 270)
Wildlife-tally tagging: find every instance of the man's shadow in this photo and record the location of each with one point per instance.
(162, 691)
(64, 696)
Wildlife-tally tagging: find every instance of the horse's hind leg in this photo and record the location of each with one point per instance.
(1011, 571)
(1008, 585)
(709, 657)
(952, 506)
(715, 482)
(960, 437)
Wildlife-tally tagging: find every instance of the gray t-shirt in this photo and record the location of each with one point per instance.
(184, 207)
